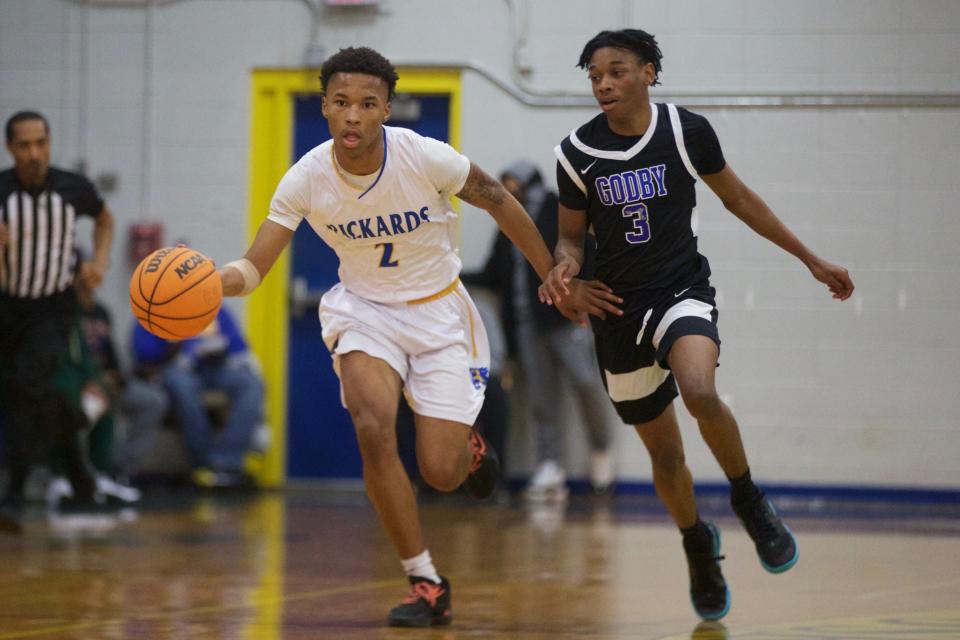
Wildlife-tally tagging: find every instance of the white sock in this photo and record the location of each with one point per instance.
(421, 566)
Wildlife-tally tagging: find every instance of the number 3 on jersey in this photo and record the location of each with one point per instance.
(386, 260)
(641, 222)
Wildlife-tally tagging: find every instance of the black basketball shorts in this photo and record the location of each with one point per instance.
(633, 358)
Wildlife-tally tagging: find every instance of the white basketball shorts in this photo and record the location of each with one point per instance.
(439, 347)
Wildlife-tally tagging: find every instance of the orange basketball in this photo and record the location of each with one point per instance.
(175, 292)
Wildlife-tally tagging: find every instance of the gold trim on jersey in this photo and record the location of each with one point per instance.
(439, 294)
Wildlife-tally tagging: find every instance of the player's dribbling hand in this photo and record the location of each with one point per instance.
(834, 276)
(231, 280)
(554, 288)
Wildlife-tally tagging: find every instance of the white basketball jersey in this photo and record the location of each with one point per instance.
(396, 238)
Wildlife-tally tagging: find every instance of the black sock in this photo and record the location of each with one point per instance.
(742, 489)
(697, 537)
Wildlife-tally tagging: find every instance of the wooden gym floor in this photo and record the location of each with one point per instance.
(314, 564)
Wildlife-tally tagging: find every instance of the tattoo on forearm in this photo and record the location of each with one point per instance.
(481, 190)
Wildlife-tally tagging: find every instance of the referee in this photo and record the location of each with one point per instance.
(39, 209)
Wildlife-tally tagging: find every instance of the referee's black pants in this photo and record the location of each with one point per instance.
(34, 335)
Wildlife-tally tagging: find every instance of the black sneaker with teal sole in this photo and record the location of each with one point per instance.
(484, 474)
(776, 546)
(427, 604)
(708, 590)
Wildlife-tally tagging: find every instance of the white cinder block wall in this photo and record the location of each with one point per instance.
(861, 393)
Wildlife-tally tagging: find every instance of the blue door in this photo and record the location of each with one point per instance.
(320, 438)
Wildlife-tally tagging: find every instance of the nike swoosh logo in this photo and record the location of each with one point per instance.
(677, 295)
(583, 171)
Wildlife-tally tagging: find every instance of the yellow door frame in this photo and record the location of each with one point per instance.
(271, 150)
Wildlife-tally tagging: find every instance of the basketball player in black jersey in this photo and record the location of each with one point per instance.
(629, 174)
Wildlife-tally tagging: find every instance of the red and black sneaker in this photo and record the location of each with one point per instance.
(428, 603)
(484, 468)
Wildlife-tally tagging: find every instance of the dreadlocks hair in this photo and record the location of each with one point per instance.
(360, 60)
(641, 43)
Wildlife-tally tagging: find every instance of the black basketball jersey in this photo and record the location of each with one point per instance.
(638, 193)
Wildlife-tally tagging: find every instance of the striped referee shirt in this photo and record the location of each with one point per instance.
(40, 258)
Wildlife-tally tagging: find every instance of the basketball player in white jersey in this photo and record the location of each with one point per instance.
(399, 320)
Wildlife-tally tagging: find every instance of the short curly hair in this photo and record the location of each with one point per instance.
(360, 60)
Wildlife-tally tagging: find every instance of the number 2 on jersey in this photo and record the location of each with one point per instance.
(386, 260)
(641, 222)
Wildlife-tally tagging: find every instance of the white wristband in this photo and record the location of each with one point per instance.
(249, 273)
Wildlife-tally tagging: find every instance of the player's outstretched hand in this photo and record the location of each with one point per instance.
(834, 276)
(593, 297)
(555, 287)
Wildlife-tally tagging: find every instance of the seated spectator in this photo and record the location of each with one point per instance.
(215, 361)
(144, 406)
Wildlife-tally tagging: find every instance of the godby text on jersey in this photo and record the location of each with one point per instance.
(632, 186)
